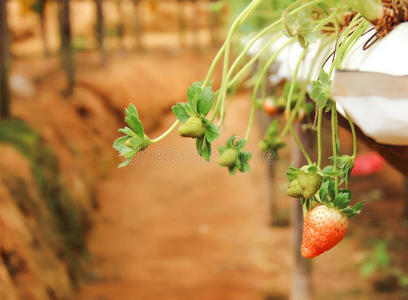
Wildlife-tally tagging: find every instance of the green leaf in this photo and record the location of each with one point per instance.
(125, 163)
(292, 173)
(205, 101)
(204, 148)
(211, 132)
(121, 147)
(324, 192)
(181, 111)
(132, 119)
(341, 200)
(127, 131)
(312, 168)
(328, 172)
(345, 164)
(242, 163)
(193, 92)
(353, 211)
(321, 89)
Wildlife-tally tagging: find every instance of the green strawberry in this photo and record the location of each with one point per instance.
(263, 145)
(193, 127)
(294, 189)
(228, 158)
(310, 183)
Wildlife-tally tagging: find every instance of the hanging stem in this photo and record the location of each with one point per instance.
(319, 137)
(353, 132)
(335, 145)
(166, 133)
(288, 118)
(234, 27)
(258, 84)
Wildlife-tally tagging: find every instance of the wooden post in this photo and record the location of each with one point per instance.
(4, 60)
(121, 26)
(100, 29)
(301, 281)
(66, 43)
(43, 29)
(138, 25)
(182, 23)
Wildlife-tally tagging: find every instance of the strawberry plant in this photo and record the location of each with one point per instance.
(330, 26)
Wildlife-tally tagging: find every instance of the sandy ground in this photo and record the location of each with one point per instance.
(172, 226)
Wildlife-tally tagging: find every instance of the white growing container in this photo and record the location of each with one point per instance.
(372, 85)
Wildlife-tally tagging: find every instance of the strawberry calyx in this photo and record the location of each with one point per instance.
(304, 182)
(340, 201)
(193, 115)
(134, 138)
(233, 156)
(270, 142)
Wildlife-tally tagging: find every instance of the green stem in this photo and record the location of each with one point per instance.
(253, 40)
(166, 133)
(353, 132)
(288, 117)
(234, 27)
(258, 84)
(334, 144)
(319, 137)
(341, 41)
(285, 16)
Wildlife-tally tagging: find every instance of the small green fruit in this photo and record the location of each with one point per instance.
(263, 145)
(310, 184)
(228, 158)
(193, 128)
(294, 190)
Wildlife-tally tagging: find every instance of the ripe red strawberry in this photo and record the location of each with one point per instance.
(323, 228)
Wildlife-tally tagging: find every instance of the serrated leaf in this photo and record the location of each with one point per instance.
(181, 111)
(203, 148)
(312, 168)
(235, 143)
(243, 159)
(205, 101)
(324, 192)
(132, 119)
(329, 172)
(292, 173)
(321, 89)
(121, 147)
(341, 200)
(211, 132)
(127, 131)
(353, 211)
(193, 92)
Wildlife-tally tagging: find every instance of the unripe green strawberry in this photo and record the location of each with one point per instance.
(228, 158)
(323, 228)
(193, 128)
(294, 189)
(310, 183)
(263, 146)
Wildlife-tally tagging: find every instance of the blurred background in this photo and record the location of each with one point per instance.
(169, 226)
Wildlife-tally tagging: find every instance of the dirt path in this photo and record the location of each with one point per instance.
(173, 227)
